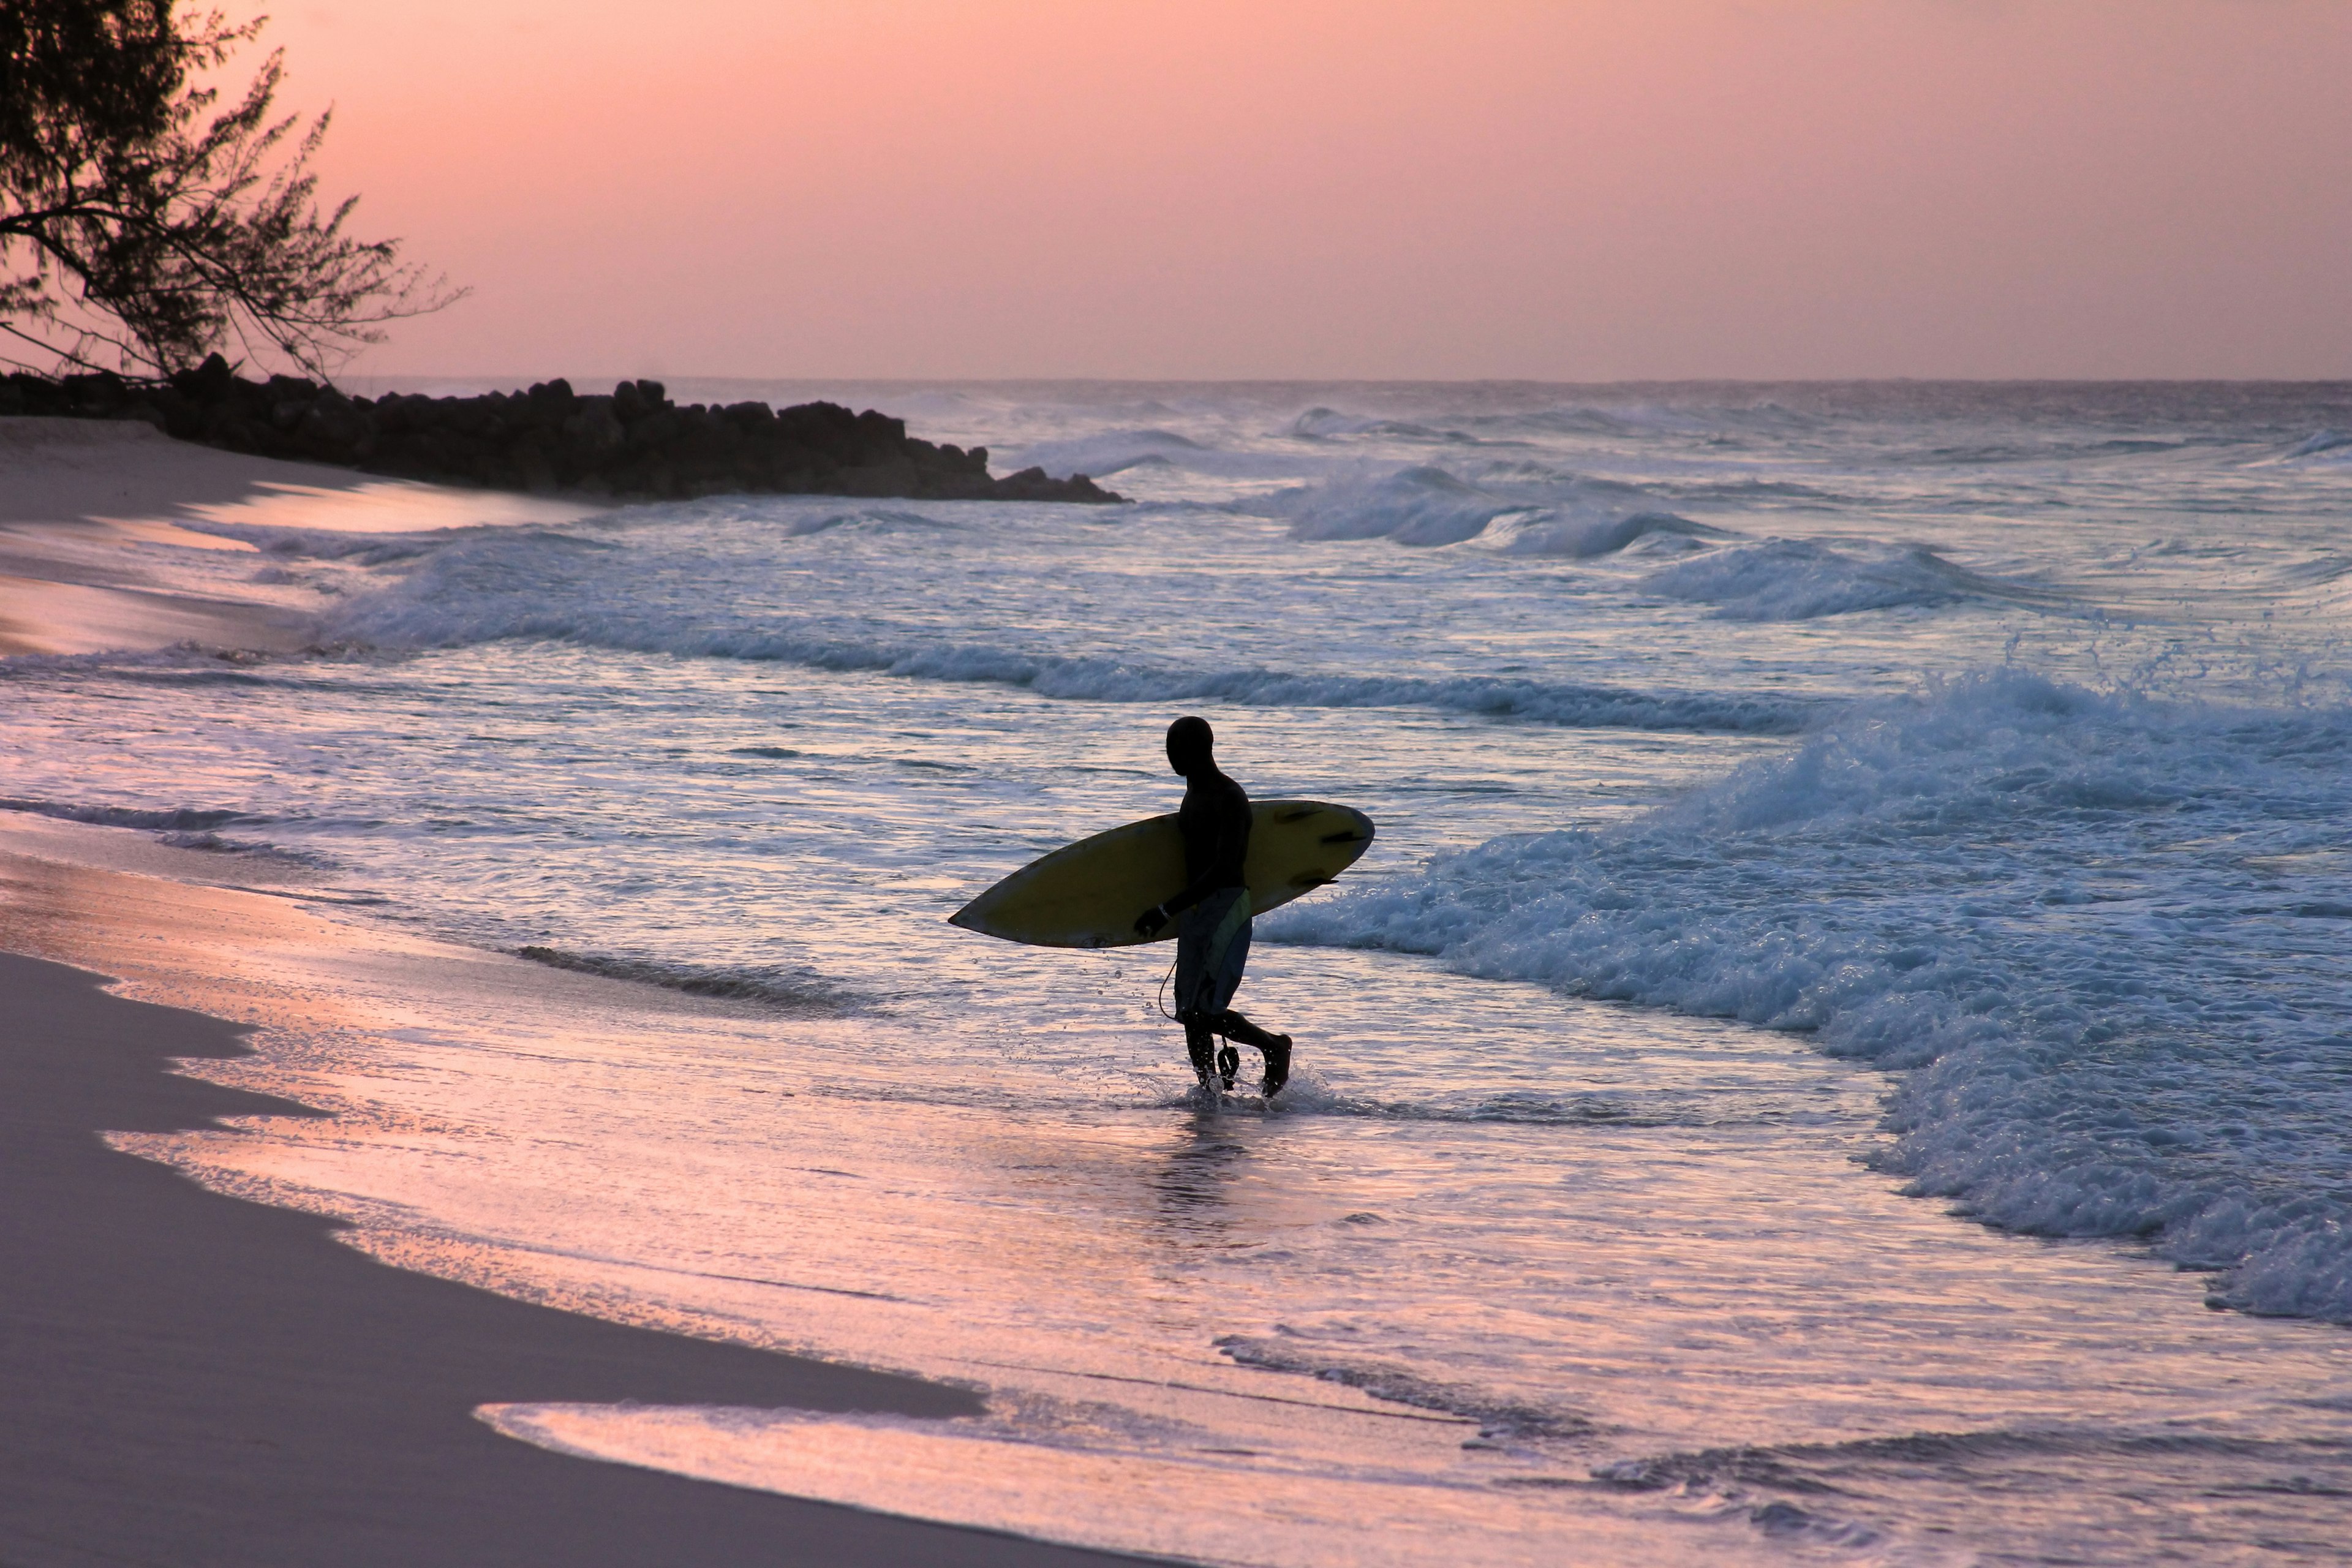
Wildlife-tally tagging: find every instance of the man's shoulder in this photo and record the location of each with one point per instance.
(1219, 791)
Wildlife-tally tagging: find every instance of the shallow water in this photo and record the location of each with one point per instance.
(1789, 798)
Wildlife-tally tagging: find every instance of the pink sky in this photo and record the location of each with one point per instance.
(1191, 188)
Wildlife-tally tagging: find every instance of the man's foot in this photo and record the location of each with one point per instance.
(1229, 1062)
(1277, 1064)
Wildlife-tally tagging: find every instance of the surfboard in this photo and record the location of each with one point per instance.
(1087, 894)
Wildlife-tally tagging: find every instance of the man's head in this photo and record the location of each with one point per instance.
(1189, 745)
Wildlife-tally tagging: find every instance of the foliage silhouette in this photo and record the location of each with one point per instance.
(143, 225)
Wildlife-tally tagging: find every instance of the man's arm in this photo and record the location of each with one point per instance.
(1222, 870)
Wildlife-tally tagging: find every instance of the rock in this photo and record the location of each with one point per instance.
(632, 443)
(594, 428)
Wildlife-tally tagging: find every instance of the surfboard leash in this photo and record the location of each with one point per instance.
(1161, 1001)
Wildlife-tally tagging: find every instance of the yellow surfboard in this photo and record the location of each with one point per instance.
(1087, 894)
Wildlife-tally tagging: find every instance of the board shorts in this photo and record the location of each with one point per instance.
(1212, 943)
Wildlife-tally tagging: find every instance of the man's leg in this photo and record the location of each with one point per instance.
(1226, 974)
(1274, 1048)
(1203, 934)
(1201, 1046)
(1235, 1027)
(1211, 950)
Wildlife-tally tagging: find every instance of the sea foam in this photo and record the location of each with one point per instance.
(557, 587)
(2107, 936)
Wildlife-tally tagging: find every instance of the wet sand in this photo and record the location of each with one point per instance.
(195, 1379)
(76, 496)
(191, 1378)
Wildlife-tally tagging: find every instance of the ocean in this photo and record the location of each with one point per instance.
(1839, 1051)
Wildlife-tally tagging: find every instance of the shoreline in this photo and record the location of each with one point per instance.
(81, 498)
(200, 1378)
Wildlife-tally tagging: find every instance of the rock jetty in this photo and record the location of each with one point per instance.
(633, 445)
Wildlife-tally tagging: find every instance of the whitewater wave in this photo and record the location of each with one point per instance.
(1420, 505)
(519, 586)
(1796, 580)
(2100, 932)
(1520, 509)
(1580, 535)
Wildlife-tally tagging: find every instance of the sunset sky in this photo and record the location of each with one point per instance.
(1480, 188)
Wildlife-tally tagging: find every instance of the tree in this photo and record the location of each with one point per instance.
(141, 224)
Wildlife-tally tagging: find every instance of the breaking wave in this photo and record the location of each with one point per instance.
(1412, 506)
(532, 587)
(1795, 579)
(1580, 535)
(2106, 935)
(1520, 509)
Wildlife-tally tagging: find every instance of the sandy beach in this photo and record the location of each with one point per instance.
(75, 492)
(194, 1378)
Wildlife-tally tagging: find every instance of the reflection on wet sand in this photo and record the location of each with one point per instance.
(1160, 1302)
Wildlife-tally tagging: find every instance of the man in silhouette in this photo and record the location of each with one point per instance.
(1213, 914)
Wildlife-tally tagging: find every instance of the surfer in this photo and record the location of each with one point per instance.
(1212, 913)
